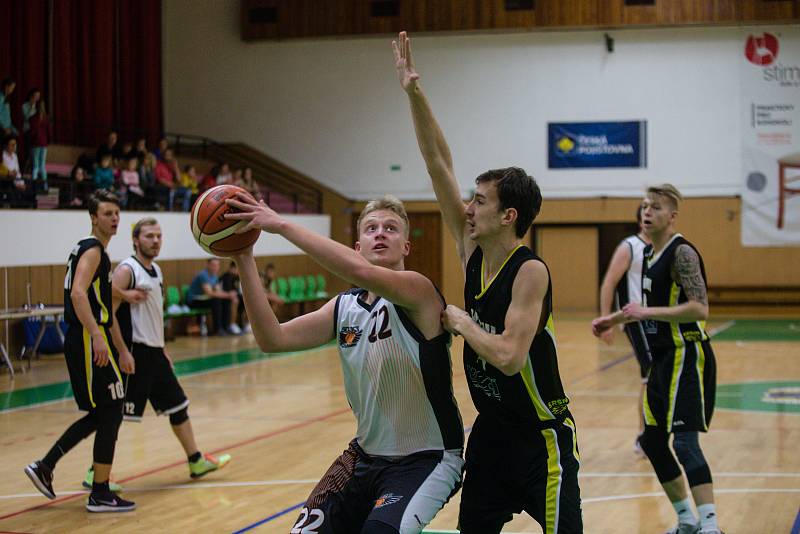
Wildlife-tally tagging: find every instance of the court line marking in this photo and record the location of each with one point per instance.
(182, 462)
(270, 518)
(796, 526)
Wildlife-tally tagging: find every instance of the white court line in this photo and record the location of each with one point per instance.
(721, 328)
(256, 483)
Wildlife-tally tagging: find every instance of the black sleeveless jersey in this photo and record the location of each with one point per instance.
(99, 292)
(659, 289)
(534, 396)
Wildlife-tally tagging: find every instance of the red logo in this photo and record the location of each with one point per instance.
(761, 50)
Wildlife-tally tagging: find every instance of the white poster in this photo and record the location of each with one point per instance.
(770, 85)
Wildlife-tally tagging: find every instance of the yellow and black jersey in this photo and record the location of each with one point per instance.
(659, 289)
(99, 292)
(535, 394)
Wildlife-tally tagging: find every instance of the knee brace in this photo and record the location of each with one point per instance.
(655, 444)
(179, 417)
(690, 455)
(109, 419)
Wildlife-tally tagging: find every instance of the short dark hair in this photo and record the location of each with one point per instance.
(516, 189)
(7, 82)
(101, 195)
(8, 139)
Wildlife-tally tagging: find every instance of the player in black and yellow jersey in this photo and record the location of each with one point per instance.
(96, 357)
(522, 452)
(682, 382)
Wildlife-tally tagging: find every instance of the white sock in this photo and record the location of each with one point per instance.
(684, 510)
(708, 516)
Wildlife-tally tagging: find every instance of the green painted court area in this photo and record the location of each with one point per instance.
(62, 390)
(775, 397)
(758, 330)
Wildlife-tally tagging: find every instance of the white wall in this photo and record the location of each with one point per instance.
(333, 108)
(45, 238)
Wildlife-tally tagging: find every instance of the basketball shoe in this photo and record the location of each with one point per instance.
(42, 478)
(208, 463)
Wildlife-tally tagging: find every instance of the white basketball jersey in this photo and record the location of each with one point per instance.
(147, 317)
(399, 385)
(633, 278)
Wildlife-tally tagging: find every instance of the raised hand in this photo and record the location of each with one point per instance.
(404, 63)
(256, 214)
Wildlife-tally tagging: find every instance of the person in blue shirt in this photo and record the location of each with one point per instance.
(205, 291)
(6, 125)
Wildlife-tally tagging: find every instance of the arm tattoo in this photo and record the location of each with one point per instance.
(686, 272)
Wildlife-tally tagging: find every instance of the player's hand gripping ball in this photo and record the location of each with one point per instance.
(213, 232)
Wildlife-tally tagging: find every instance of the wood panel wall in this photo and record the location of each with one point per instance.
(291, 19)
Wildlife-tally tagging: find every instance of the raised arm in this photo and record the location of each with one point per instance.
(434, 149)
(508, 351)
(304, 332)
(407, 289)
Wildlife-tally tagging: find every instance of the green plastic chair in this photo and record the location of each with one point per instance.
(282, 288)
(184, 294)
(173, 296)
(297, 289)
(321, 282)
(311, 287)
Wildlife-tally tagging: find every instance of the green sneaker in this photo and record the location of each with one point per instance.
(208, 463)
(87, 482)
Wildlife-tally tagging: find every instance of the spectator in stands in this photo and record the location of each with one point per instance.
(161, 149)
(270, 278)
(230, 282)
(104, 174)
(168, 188)
(6, 125)
(205, 291)
(133, 193)
(225, 176)
(109, 148)
(82, 187)
(126, 152)
(237, 178)
(210, 179)
(250, 184)
(21, 194)
(29, 110)
(189, 181)
(10, 160)
(40, 133)
(147, 178)
(141, 150)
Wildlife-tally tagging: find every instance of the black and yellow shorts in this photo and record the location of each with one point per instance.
(92, 386)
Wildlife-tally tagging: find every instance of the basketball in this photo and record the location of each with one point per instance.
(213, 232)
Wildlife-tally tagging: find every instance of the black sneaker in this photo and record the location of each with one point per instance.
(42, 478)
(106, 501)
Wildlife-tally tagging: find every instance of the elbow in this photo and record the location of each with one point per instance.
(513, 364)
(702, 311)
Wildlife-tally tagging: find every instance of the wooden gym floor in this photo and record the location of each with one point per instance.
(285, 418)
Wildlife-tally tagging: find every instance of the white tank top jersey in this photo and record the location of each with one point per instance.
(147, 317)
(398, 384)
(634, 275)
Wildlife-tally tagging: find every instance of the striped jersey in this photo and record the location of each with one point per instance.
(535, 395)
(659, 289)
(399, 385)
(629, 288)
(99, 292)
(143, 322)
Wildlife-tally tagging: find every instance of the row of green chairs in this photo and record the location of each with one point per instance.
(300, 288)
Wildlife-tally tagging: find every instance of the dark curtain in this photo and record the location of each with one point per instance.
(23, 49)
(106, 69)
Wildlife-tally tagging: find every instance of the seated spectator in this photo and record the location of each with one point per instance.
(82, 187)
(109, 148)
(210, 179)
(126, 152)
(189, 181)
(230, 282)
(140, 150)
(10, 159)
(205, 291)
(168, 188)
(39, 135)
(104, 174)
(133, 194)
(161, 150)
(250, 184)
(21, 192)
(225, 176)
(6, 125)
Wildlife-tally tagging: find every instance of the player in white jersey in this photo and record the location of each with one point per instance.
(623, 284)
(139, 282)
(405, 461)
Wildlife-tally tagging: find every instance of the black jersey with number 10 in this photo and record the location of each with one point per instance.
(99, 291)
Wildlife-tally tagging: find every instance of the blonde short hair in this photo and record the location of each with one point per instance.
(669, 191)
(386, 202)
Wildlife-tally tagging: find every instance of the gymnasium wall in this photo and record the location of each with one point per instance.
(333, 109)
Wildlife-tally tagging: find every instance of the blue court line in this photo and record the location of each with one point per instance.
(619, 360)
(296, 506)
(796, 526)
(270, 518)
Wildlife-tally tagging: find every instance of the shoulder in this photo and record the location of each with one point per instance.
(533, 277)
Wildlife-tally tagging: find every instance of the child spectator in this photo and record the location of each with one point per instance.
(134, 195)
(189, 181)
(40, 133)
(81, 186)
(104, 174)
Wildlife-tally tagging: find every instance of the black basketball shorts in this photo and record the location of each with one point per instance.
(155, 381)
(92, 386)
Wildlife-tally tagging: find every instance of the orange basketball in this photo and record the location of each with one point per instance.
(213, 232)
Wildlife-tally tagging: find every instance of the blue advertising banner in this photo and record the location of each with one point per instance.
(592, 145)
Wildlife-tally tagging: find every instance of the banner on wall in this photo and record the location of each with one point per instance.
(596, 145)
(770, 88)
